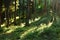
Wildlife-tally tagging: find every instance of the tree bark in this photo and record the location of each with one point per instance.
(15, 14)
(28, 13)
(0, 11)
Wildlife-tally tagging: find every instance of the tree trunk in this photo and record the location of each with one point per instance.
(0, 11)
(7, 16)
(1, 30)
(15, 14)
(28, 13)
(7, 3)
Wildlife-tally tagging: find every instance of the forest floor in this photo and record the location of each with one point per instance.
(36, 31)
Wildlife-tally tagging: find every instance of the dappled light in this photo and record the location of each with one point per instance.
(29, 20)
(36, 19)
(41, 28)
(28, 31)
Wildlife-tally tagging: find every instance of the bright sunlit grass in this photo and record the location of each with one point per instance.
(3, 25)
(28, 31)
(9, 31)
(43, 26)
(36, 19)
(12, 28)
(39, 6)
(41, 29)
(17, 17)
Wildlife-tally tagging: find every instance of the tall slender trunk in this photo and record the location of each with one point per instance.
(0, 11)
(23, 9)
(55, 9)
(20, 7)
(1, 30)
(45, 5)
(7, 3)
(15, 14)
(7, 16)
(28, 13)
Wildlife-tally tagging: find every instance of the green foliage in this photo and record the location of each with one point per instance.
(1, 29)
(51, 33)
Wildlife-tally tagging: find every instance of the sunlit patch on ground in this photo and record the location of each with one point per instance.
(17, 17)
(3, 25)
(12, 20)
(36, 19)
(9, 31)
(32, 30)
(22, 24)
(50, 23)
(12, 28)
(39, 28)
(43, 26)
(39, 6)
(28, 31)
